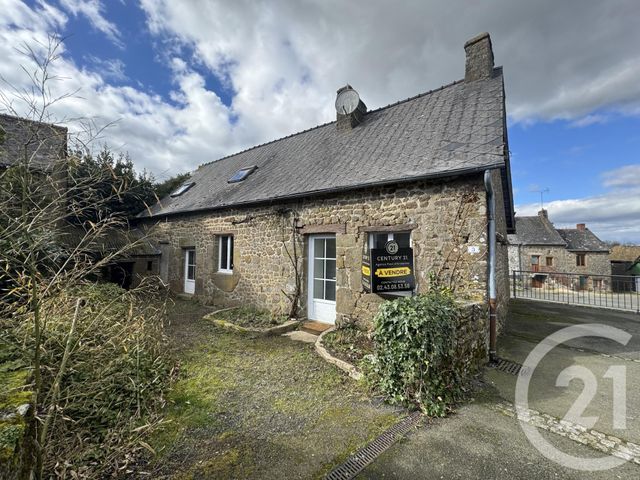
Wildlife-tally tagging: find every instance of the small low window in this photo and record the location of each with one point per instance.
(182, 188)
(580, 260)
(225, 254)
(149, 265)
(241, 174)
(549, 261)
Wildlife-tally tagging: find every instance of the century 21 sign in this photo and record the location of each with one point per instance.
(388, 269)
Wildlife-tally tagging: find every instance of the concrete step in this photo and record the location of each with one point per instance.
(315, 328)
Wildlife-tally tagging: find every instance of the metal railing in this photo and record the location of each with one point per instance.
(620, 292)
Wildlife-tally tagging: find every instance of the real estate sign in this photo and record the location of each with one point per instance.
(388, 269)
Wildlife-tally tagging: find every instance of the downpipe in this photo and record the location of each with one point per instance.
(493, 299)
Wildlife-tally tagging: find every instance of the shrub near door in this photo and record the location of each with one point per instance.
(415, 361)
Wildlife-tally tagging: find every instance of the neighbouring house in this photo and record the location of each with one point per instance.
(330, 221)
(542, 250)
(625, 266)
(42, 147)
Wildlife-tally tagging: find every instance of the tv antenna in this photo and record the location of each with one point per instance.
(542, 192)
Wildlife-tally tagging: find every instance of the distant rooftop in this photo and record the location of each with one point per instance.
(42, 144)
(582, 240)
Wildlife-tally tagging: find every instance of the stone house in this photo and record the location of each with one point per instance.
(539, 247)
(43, 147)
(301, 224)
(625, 263)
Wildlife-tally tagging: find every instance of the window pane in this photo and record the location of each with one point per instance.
(380, 239)
(318, 268)
(191, 272)
(331, 270)
(318, 248)
(330, 293)
(318, 289)
(224, 248)
(331, 248)
(231, 253)
(402, 239)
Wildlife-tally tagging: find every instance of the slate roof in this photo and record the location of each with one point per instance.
(536, 231)
(43, 143)
(112, 241)
(582, 240)
(457, 129)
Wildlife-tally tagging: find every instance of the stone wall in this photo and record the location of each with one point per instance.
(445, 218)
(473, 333)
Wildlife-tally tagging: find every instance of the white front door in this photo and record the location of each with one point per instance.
(190, 271)
(321, 303)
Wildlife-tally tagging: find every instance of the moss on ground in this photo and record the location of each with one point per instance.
(251, 318)
(13, 378)
(248, 407)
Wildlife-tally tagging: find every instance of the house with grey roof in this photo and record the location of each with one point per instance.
(540, 248)
(330, 221)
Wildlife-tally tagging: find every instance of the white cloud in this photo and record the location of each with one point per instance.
(591, 119)
(93, 10)
(627, 176)
(284, 60)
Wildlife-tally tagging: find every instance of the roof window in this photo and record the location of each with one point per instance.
(241, 174)
(182, 188)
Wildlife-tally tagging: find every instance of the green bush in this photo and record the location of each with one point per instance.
(415, 352)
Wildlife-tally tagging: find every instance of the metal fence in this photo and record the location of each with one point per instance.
(610, 291)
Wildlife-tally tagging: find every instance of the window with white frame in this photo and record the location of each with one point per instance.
(225, 253)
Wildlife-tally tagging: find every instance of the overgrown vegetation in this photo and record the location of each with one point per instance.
(415, 359)
(103, 375)
(249, 317)
(90, 355)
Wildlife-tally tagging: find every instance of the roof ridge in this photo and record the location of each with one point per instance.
(420, 95)
(39, 122)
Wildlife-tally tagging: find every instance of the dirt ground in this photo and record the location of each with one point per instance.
(255, 407)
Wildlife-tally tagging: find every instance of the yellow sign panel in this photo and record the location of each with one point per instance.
(366, 271)
(393, 272)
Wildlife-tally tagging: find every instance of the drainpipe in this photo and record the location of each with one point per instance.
(492, 265)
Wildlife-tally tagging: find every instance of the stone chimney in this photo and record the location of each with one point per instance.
(581, 226)
(479, 63)
(543, 213)
(350, 110)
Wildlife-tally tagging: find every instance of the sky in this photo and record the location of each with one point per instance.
(181, 83)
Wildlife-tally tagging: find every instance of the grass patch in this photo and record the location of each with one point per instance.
(350, 344)
(251, 318)
(246, 407)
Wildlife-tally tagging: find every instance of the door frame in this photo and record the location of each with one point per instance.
(311, 314)
(189, 284)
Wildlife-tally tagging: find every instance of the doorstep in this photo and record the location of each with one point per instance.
(314, 327)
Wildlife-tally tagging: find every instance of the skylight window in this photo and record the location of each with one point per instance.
(182, 188)
(241, 174)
